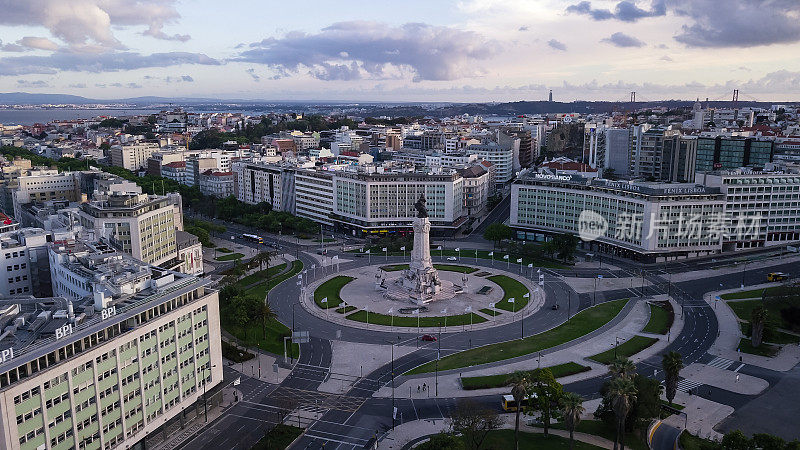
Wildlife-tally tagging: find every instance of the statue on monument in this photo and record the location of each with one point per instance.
(422, 211)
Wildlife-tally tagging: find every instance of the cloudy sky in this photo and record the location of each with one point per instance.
(415, 50)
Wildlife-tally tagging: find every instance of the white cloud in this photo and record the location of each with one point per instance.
(375, 50)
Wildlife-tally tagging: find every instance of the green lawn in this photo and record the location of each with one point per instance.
(346, 309)
(495, 381)
(230, 257)
(511, 289)
(755, 293)
(504, 439)
(330, 290)
(660, 320)
(262, 289)
(261, 275)
(445, 267)
(744, 308)
(581, 324)
(490, 312)
(599, 428)
(224, 250)
(278, 438)
(627, 349)
(253, 336)
(762, 350)
(691, 442)
(411, 320)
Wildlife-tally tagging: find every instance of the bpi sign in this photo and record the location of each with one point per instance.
(6, 355)
(108, 313)
(63, 331)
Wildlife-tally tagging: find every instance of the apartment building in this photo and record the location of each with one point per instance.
(105, 370)
(648, 222)
(256, 183)
(314, 196)
(369, 203)
(132, 156)
(138, 224)
(175, 171)
(45, 185)
(502, 157)
(729, 153)
(217, 184)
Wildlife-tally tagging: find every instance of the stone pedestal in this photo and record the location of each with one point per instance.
(421, 279)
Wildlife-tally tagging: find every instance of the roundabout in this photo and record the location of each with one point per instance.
(486, 298)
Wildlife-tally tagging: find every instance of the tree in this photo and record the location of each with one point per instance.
(758, 319)
(474, 422)
(442, 441)
(266, 314)
(736, 440)
(546, 395)
(565, 245)
(622, 394)
(520, 383)
(572, 408)
(672, 363)
(260, 259)
(496, 232)
(622, 368)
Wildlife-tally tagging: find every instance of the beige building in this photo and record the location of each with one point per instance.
(140, 225)
(132, 156)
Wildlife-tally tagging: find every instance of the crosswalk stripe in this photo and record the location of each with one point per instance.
(685, 384)
(720, 363)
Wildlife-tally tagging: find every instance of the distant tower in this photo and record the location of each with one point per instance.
(550, 98)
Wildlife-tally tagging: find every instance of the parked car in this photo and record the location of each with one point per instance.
(555, 307)
(428, 338)
(452, 258)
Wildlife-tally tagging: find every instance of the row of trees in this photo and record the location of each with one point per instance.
(213, 138)
(239, 308)
(561, 246)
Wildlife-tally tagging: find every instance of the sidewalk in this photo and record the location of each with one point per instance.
(730, 269)
(262, 367)
(175, 433)
(409, 431)
(351, 360)
(701, 417)
(626, 327)
(727, 341)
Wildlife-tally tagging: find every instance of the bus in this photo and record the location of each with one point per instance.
(253, 238)
(776, 276)
(509, 404)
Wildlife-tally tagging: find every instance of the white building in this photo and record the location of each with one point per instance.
(501, 157)
(217, 184)
(314, 196)
(762, 208)
(649, 222)
(132, 156)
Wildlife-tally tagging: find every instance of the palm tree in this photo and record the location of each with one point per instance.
(622, 393)
(757, 320)
(520, 383)
(672, 363)
(622, 368)
(572, 408)
(266, 313)
(261, 258)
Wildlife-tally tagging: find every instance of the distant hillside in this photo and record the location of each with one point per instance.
(24, 98)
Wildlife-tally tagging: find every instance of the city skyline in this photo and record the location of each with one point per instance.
(463, 51)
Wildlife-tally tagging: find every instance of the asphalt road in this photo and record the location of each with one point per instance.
(350, 420)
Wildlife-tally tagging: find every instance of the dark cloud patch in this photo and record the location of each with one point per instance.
(557, 45)
(739, 23)
(626, 11)
(359, 49)
(32, 84)
(253, 74)
(523, 28)
(713, 23)
(666, 58)
(133, 86)
(78, 85)
(622, 40)
(97, 63)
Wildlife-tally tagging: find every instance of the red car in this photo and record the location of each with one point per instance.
(428, 338)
